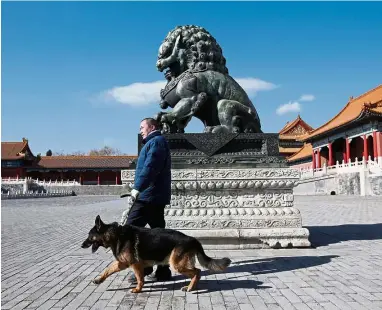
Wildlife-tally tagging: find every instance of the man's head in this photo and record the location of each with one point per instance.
(147, 126)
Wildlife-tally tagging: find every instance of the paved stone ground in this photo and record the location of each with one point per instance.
(43, 266)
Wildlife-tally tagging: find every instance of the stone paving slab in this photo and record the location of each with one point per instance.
(43, 266)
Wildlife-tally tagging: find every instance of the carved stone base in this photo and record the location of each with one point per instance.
(235, 208)
(233, 239)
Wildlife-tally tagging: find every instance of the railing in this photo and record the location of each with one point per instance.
(14, 180)
(56, 182)
(373, 166)
(36, 194)
(52, 182)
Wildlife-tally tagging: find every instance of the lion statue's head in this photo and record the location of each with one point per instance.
(190, 48)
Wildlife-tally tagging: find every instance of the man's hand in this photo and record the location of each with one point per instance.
(134, 194)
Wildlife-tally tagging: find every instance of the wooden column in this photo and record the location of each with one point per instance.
(318, 159)
(98, 179)
(330, 154)
(375, 149)
(379, 143)
(347, 160)
(314, 160)
(365, 149)
(116, 178)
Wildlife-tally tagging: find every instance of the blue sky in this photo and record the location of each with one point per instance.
(60, 58)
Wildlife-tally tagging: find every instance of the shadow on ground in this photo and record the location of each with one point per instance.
(239, 274)
(325, 235)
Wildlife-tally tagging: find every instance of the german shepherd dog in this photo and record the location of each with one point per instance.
(138, 247)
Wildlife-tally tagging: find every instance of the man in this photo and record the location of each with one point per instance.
(152, 186)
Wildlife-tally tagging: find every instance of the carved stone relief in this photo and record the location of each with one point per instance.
(187, 174)
(219, 224)
(232, 199)
(224, 212)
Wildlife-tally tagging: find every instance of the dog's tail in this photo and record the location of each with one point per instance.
(213, 264)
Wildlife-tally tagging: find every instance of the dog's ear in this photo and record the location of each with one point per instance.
(98, 222)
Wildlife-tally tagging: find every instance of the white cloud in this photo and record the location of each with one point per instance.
(307, 98)
(252, 85)
(294, 106)
(289, 107)
(138, 94)
(135, 94)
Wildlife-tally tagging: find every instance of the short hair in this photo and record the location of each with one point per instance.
(151, 121)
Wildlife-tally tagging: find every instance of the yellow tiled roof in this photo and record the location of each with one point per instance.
(369, 101)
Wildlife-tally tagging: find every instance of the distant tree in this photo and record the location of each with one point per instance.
(59, 153)
(49, 153)
(63, 153)
(78, 153)
(105, 151)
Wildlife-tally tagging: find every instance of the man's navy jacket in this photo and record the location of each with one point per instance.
(153, 172)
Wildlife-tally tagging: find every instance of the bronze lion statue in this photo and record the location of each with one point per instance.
(199, 85)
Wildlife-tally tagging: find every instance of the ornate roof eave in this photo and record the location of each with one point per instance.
(302, 160)
(366, 114)
(17, 151)
(26, 148)
(286, 125)
(289, 126)
(371, 99)
(288, 138)
(306, 150)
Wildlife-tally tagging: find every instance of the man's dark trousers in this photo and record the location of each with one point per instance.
(142, 213)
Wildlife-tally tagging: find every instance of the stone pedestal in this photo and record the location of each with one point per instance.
(233, 200)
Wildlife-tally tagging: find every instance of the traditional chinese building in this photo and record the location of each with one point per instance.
(15, 157)
(354, 133)
(86, 170)
(18, 161)
(291, 133)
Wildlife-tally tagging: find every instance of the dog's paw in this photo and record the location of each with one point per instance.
(135, 290)
(97, 281)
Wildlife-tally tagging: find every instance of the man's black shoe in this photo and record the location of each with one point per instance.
(161, 278)
(162, 274)
(147, 271)
(150, 278)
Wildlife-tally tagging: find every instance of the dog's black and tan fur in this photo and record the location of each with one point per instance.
(138, 248)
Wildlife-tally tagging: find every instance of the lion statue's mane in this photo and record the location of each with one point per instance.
(203, 50)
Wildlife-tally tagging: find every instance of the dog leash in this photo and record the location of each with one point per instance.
(126, 213)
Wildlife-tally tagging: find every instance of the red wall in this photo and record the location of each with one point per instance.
(12, 172)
